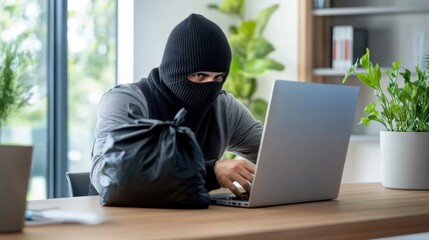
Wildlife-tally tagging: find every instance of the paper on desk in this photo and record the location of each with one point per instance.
(51, 216)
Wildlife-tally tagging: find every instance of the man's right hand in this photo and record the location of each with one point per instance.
(229, 171)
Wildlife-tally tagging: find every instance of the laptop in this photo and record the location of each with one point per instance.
(303, 145)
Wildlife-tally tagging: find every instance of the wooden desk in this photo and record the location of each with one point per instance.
(362, 211)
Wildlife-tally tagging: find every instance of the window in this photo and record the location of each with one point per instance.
(90, 70)
(23, 23)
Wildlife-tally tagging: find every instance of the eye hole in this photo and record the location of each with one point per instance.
(220, 78)
(202, 77)
(199, 75)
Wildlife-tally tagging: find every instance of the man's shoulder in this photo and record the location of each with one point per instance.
(229, 100)
(122, 94)
(226, 97)
(126, 90)
(228, 104)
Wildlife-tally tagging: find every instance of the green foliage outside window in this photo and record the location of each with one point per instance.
(21, 37)
(91, 72)
(15, 89)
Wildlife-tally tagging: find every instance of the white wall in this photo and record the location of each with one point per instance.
(282, 32)
(125, 55)
(362, 161)
(154, 19)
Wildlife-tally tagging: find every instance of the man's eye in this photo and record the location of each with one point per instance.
(198, 75)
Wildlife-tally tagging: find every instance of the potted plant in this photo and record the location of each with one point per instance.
(250, 54)
(404, 113)
(15, 92)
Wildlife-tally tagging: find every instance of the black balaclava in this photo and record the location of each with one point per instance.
(195, 44)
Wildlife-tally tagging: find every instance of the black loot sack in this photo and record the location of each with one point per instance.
(153, 163)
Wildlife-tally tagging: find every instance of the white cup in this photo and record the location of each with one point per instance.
(15, 166)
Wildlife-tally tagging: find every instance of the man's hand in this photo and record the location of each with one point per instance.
(228, 170)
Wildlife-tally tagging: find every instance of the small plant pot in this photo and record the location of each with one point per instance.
(15, 165)
(405, 160)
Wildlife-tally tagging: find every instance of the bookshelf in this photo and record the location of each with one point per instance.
(391, 26)
(348, 11)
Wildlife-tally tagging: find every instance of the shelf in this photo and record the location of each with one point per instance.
(335, 72)
(329, 72)
(390, 35)
(392, 24)
(367, 11)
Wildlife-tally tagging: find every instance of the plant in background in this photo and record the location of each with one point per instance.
(250, 52)
(15, 90)
(406, 109)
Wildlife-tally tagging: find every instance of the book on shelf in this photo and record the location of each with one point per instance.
(321, 4)
(348, 44)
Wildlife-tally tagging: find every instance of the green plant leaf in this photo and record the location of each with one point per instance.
(365, 79)
(365, 121)
(274, 65)
(237, 62)
(253, 85)
(350, 71)
(247, 29)
(259, 48)
(238, 45)
(376, 77)
(263, 18)
(364, 60)
(213, 6)
(247, 88)
(370, 109)
(259, 66)
(230, 7)
(233, 29)
(396, 65)
(239, 41)
(238, 85)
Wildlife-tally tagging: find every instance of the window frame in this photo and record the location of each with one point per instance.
(57, 84)
(57, 98)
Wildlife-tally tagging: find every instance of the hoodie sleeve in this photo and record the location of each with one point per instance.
(112, 112)
(246, 131)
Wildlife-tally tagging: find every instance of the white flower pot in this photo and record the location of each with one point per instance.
(405, 160)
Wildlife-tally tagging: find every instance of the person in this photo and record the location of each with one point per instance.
(193, 69)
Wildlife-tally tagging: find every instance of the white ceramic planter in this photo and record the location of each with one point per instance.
(405, 160)
(15, 165)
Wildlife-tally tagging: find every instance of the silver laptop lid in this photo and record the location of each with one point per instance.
(304, 143)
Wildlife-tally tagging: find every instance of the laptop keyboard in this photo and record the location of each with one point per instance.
(245, 197)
